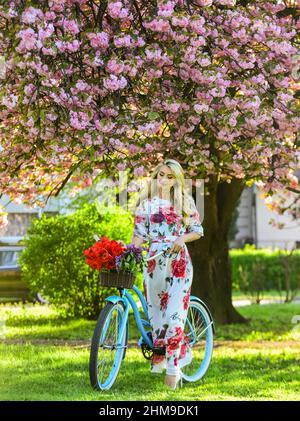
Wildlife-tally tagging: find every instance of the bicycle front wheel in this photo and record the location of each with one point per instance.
(199, 332)
(106, 353)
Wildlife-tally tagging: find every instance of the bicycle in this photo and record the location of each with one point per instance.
(110, 337)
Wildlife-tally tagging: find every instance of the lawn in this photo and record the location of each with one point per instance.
(45, 357)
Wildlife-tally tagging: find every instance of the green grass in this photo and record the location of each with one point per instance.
(257, 361)
(33, 321)
(61, 373)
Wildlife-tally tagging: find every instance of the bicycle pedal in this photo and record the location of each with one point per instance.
(142, 341)
(159, 350)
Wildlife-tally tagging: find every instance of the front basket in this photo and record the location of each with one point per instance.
(120, 279)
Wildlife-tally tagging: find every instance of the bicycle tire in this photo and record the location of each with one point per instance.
(98, 351)
(201, 349)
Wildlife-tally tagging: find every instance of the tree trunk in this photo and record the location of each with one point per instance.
(210, 255)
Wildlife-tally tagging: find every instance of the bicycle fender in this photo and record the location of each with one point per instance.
(114, 299)
(193, 297)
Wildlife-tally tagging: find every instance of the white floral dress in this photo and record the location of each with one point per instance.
(167, 280)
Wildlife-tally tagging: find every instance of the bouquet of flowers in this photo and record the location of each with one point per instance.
(112, 255)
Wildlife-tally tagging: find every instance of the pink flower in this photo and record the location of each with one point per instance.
(139, 171)
(81, 85)
(182, 22)
(158, 25)
(114, 67)
(29, 89)
(28, 40)
(125, 41)
(45, 32)
(100, 39)
(73, 45)
(31, 14)
(113, 83)
(79, 120)
(117, 11)
(71, 26)
(200, 108)
(166, 9)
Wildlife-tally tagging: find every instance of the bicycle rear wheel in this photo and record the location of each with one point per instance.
(106, 353)
(199, 331)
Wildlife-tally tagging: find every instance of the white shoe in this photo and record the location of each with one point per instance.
(178, 382)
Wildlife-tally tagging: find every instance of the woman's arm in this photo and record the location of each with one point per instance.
(190, 236)
(185, 238)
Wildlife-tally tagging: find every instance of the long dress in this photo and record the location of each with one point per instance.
(167, 280)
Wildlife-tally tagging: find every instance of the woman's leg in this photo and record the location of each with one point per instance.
(176, 312)
(154, 286)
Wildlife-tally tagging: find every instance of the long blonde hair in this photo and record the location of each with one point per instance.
(179, 197)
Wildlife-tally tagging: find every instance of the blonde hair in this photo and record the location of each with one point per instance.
(179, 197)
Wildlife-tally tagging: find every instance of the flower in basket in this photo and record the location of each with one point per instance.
(103, 253)
(131, 259)
(114, 256)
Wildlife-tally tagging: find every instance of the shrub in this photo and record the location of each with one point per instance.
(256, 270)
(53, 261)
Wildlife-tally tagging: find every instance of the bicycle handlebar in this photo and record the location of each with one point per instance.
(158, 254)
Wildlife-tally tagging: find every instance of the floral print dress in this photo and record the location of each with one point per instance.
(167, 280)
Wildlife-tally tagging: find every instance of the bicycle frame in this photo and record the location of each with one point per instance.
(128, 301)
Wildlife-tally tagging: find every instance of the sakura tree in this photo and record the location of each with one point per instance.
(97, 86)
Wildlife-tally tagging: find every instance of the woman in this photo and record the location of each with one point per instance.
(167, 218)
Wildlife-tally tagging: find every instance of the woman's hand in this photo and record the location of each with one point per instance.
(177, 245)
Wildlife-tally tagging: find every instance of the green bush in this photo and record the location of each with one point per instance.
(53, 262)
(257, 270)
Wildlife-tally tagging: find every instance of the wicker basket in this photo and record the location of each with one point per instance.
(120, 279)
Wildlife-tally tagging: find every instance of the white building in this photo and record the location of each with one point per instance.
(19, 219)
(253, 224)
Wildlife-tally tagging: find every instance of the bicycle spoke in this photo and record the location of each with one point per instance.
(198, 332)
(107, 350)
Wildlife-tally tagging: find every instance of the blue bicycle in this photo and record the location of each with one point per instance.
(110, 338)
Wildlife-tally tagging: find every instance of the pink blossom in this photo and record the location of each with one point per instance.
(100, 39)
(81, 85)
(31, 14)
(113, 83)
(166, 8)
(79, 120)
(117, 11)
(173, 108)
(182, 21)
(197, 25)
(29, 89)
(139, 171)
(10, 101)
(71, 26)
(158, 25)
(114, 67)
(3, 218)
(124, 41)
(73, 46)
(204, 2)
(148, 147)
(28, 40)
(44, 33)
(121, 166)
